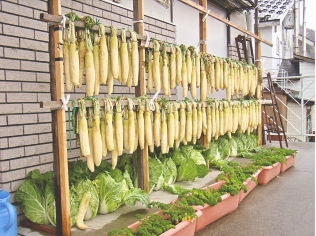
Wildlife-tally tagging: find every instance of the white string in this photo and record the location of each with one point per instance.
(204, 18)
(151, 101)
(63, 20)
(202, 42)
(147, 39)
(262, 61)
(65, 101)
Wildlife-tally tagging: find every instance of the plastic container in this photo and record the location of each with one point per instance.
(8, 216)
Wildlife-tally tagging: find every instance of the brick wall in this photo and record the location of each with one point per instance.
(25, 128)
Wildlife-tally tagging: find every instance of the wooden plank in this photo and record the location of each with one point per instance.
(63, 225)
(45, 228)
(218, 17)
(58, 19)
(140, 90)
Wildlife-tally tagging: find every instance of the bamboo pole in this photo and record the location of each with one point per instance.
(63, 225)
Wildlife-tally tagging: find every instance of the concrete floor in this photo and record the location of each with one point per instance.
(285, 206)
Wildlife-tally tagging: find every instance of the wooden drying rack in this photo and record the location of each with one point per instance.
(57, 93)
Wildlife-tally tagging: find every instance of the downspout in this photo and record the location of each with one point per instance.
(228, 28)
(296, 26)
(304, 29)
(256, 28)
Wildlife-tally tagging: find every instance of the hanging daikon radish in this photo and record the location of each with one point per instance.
(194, 122)
(119, 78)
(131, 125)
(148, 123)
(182, 121)
(213, 118)
(209, 124)
(225, 72)
(203, 88)
(204, 117)
(188, 61)
(110, 79)
(221, 81)
(232, 78)
(217, 73)
(165, 70)
(96, 60)
(178, 65)
(104, 55)
(164, 132)
(193, 78)
(198, 69)
(124, 57)
(90, 158)
(199, 121)
(114, 152)
(83, 129)
(157, 125)
(125, 129)
(97, 141)
(170, 125)
(135, 58)
(119, 126)
(184, 73)
(130, 71)
(217, 119)
(150, 70)
(212, 73)
(109, 124)
(89, 64)
(156, 66)
(188, 124)
(141, 124)
(82, 52)
(176, 121)
(114, 53)
(103, 132)
(241, 77)
(172, 66)
(73, 54)
(66, 59)
(136, 133)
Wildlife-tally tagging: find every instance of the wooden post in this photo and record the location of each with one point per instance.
(203, 47)
(63, 226)
(140, 90)
(260, 127)
(203, 27)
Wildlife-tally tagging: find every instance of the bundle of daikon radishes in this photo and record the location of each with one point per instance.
(115, 128)
(103, 58)
(100, 57)
(184, 66)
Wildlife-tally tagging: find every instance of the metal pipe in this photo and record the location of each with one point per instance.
(295, 77)
(304, 29)
(302, 107)
(296, 26)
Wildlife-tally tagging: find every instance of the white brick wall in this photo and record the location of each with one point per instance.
(25, 128)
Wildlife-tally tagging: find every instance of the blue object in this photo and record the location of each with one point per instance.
(8, 216)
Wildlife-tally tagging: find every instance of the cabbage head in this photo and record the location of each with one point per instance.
(110, 193)
(187, 171)
(169, 171)
(36, 195)
(85, 185)
(155, 173)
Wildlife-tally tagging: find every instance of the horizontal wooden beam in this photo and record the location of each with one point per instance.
(58, 20)
(218, 17)
(55, 105)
